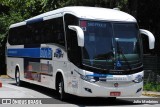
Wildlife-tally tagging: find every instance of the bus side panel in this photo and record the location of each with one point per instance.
(11, 65)
(74, 84)
(47, 73)
(12, 62)
(61, 64)
(64, 68)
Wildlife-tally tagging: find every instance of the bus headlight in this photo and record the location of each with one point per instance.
(88, 78)
(138, 79)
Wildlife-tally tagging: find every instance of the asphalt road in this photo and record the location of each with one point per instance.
(10, 90)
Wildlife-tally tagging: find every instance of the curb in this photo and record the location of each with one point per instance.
(4, 76)
(151, 93)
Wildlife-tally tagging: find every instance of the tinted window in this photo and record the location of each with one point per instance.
(73, 50)
(50, 31)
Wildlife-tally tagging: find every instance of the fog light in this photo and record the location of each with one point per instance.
(139, 90)
(88, 89)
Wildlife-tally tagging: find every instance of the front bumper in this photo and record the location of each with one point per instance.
(93, 90)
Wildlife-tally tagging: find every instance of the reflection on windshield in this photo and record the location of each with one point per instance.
(100, 48)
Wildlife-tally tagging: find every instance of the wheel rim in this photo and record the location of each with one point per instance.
(17, 77)
(60, 87)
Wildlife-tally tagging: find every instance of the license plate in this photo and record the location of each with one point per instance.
(115, 93)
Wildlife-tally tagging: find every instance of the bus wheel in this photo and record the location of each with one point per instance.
(62, 94)
(17, 77)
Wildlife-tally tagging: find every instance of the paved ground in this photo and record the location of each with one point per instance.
(10, 90)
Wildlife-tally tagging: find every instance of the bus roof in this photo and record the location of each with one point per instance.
(95, 13)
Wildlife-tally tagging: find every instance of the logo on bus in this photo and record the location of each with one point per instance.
(45, 53)
(58, 53)
(116, 84)
(118, 64)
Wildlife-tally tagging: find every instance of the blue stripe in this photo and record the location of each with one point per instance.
(100, 75)
(30, 52)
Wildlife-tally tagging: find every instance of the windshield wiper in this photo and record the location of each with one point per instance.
(92, 67)
(120, 52)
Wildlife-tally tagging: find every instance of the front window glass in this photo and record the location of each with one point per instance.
(127, 44)
(110, 45)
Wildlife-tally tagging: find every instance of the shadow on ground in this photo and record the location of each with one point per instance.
(79, 101)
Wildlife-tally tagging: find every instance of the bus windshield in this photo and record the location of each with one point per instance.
(111, 45)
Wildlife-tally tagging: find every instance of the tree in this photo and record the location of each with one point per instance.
(13, 11)
(53, 4)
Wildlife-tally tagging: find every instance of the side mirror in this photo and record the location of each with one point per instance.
(151, 38)
(80, 34)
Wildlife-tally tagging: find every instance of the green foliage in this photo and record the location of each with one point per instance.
(122, 5)
(18, 10)
(152, 87)
(26, 8)
(6, 21)
(53, 4)
(23, 9)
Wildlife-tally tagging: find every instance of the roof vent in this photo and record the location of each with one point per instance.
(116, 8)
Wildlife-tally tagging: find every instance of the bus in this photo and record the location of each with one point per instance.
(83, 51)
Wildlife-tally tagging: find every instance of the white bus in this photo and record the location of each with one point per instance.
(84, 51)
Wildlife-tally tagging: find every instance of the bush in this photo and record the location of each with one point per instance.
(152, 86)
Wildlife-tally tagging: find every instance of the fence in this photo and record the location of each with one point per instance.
(151, 68)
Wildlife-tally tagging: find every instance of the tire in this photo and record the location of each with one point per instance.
(112, 99)
(17, 77)
(62, 94)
